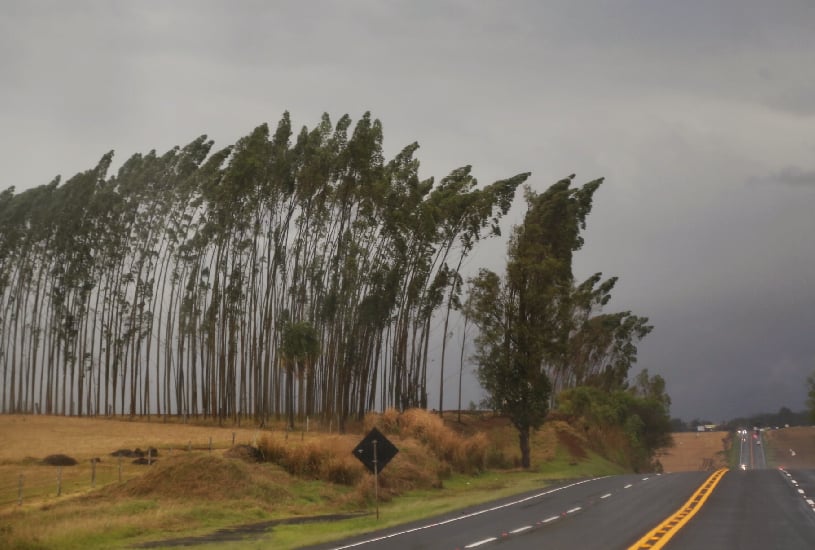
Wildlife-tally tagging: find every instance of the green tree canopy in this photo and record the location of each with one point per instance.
(524, 318)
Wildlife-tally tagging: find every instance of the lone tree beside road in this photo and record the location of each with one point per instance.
(525, 318)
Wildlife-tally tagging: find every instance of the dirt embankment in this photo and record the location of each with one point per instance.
(695, 451)
(791, 447)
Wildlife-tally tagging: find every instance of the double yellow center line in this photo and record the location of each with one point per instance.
(659, 536)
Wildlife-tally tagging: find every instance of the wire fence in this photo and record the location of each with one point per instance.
(34, 480)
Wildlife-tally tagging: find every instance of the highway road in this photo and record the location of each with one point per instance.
(756, 508)
(751, 450)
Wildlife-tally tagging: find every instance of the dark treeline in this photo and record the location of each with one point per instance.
(784, 417)
(171, 287)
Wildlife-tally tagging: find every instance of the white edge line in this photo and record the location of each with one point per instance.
(479, 543)
(459, 518)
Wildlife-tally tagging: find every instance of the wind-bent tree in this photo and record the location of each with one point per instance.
(524, 318)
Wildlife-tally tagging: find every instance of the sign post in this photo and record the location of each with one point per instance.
(376, 482)
(375, 451)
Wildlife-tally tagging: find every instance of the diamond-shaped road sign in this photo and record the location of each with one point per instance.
(375, 456)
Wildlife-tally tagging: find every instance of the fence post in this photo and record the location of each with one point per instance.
(59, 480)
(93, 473)
(120, 469)
(189, 445)
(210, 444)
(20, 491)
(233, 439)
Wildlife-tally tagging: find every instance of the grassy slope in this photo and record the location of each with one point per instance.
(196, 492)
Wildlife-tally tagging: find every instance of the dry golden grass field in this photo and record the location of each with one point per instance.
(85, 438)
(694, 451)
(791, 447)
(27, 440)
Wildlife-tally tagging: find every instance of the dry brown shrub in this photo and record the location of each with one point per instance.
(421, 424)
(464, 454)
(395, 481)
(305, 460)
(244, 452)
(342, 470)
(386, 422)
(59, 460)
(327, 458)
(497, 459)
(471, 454)
(272, 450)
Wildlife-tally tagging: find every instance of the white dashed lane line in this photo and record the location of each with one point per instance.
(479, 543)
(548, 520)
(801, 492)
(551, 519)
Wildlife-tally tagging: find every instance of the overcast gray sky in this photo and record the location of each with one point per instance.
(699, 114)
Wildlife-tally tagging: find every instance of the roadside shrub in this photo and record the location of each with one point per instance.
(386, 422)
(471, 454)
(305, 460)
(343, 471)
(272, 450)
(466, 455)
(495, 458)
(59, 460)
(244, 452)
(326, 459)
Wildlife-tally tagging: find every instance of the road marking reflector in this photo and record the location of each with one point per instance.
(659, 536)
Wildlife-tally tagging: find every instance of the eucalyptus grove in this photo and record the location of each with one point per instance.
(167, 287)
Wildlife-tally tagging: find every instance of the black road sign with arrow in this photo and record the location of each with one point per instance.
(375, 451)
